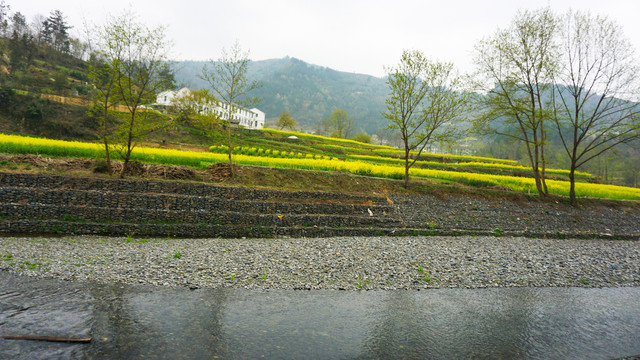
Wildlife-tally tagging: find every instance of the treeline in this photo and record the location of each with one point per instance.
(572, 78)
(309, 93)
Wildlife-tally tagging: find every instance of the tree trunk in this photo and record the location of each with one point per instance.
(533, 158)
(572, 182)
(406, 170)
(229, 142)
(536, 177)
(105, 129)
(544, 164)
(104, 137)
(125, 164)
(129, 146)
(107, 156)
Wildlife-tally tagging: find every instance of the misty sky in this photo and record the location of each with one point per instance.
(353, 36)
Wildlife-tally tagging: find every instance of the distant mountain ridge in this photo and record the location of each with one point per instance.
(308, 92)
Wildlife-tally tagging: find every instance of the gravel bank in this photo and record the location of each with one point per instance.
(331, 263)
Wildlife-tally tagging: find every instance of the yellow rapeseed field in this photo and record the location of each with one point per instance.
(470, 164)
(31, 145)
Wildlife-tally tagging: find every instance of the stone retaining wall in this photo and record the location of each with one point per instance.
(171, 202)
(150, 216)
(128, 186)
(42, 204)
(139, 231)
(30, 227)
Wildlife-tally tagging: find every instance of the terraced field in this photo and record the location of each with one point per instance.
(272, 148)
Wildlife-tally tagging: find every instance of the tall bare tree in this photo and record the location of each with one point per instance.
(516, 68)
(136, 56)
(103, 78)
(423, 104)
(227, 77)
(597, 89)
(4, 18)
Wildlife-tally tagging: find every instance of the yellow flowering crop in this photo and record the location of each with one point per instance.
(22, 144)
(324, 138)
(396, 153)
(471, 164)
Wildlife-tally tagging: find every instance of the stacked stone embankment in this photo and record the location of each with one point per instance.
(49, 204)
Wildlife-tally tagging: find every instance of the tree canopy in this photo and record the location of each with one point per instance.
(515, 68)
(286, 121)
(227, 77)
(339, 124)
(135, 61)
(596, 89)
(424, 104)
(575, 74)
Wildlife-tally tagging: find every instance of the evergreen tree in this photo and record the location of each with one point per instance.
(56, 31)
(19, 24)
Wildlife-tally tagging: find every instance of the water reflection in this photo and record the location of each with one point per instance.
(147, 322)
(35, 308)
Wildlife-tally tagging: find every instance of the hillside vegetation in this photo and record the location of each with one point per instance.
(61, 113)
(317, 153)
(45, 92)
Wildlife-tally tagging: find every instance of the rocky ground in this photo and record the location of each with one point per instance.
(527, 216)
(328, 263)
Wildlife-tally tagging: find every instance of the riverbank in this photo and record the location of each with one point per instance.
(345, 263)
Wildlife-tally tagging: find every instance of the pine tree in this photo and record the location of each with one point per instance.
(55, 31)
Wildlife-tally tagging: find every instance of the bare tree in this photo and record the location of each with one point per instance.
(423, 105)
(515, 68)
(38, 28)
(4, 18)
(136, 57)
(103, 78)
(597, 89)
(227, 77)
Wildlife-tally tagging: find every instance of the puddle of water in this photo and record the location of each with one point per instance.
(154, 322)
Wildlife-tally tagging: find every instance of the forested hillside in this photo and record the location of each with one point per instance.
(40, 65)
(308, 92)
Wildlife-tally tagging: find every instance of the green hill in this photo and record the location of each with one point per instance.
(308, 92)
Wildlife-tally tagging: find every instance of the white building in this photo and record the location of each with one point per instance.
(250, 119)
